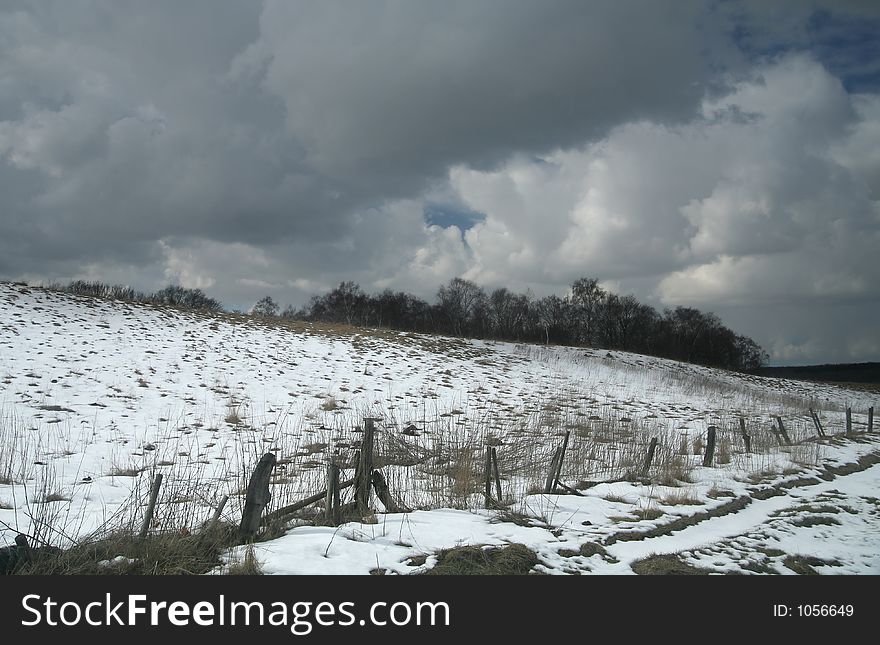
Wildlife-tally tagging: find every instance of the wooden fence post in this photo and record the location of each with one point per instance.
(848, 420)
(497, 474)
(747, 439)
(710, 447)
(487, 476)
(151, 507)
(215, 519)
(332, 505)
(286, 511)
(650, 458)
(870, 418)
(257, 497)
(782, 431)
(558, 475)
(384, 494)
(817, 423)
(551, 476)
(22, 550)
(365, 470)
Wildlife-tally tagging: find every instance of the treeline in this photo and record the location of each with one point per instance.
(588, 316)
(172, 295)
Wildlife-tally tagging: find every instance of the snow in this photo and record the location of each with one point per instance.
(96, 396)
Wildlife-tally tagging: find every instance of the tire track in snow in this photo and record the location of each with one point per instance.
(733, 524)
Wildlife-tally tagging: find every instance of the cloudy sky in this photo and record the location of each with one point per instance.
(721, 154)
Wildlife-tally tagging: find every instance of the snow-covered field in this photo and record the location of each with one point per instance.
(97, 396)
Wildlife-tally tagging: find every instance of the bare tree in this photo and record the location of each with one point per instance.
(265, 308)
(459, 301)
(588, 298)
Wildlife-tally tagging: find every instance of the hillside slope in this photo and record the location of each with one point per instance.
(97, 395)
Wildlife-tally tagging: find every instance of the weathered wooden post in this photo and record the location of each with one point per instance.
(23, 550)
(281, 514)
(487, 476)
(558, 475)
(215, 518)
(710, 447)
(650, 458)
(332, 505)
(551, 476)
(782, 431)
(384, 494)
(848, 420)
(871, 418)
(817, 423)
(365, 469)
(497, 474)
(151, 507)
(257, 497)
(747, 439)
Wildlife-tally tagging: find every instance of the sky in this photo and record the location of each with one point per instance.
(722, 154)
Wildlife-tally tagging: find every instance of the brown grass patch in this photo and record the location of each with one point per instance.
(513, 559)
(667, 565)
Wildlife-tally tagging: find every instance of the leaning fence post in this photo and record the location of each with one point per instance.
(782, 431)
(747, 439)
(151, 507)
(257, 497)
(384, 494)
(215, 519)
(710, 447)
(551, 476)
(558, 474)
(817, 423)
(650, 458)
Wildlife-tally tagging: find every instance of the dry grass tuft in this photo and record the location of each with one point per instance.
(666, 565)
(247, 566)
(513, 559)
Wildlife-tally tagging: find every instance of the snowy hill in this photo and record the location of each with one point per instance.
(97, 395)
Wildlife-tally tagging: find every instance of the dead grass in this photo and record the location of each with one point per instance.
(815, 520)
(667, 565)
(715, 493)
(648, 513)
(675, 471)
(125, 472)
(178, 553)
(588, 550)
(680, 498)
(233, 418)
(248, 565)
(804, 565)
(513, 559)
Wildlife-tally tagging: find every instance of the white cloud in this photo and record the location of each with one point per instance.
(768, 198)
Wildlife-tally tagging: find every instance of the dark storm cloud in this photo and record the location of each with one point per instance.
(178, 119)
(410, 88)
(281, 147)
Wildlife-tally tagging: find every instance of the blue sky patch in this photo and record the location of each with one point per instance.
(446, 215)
